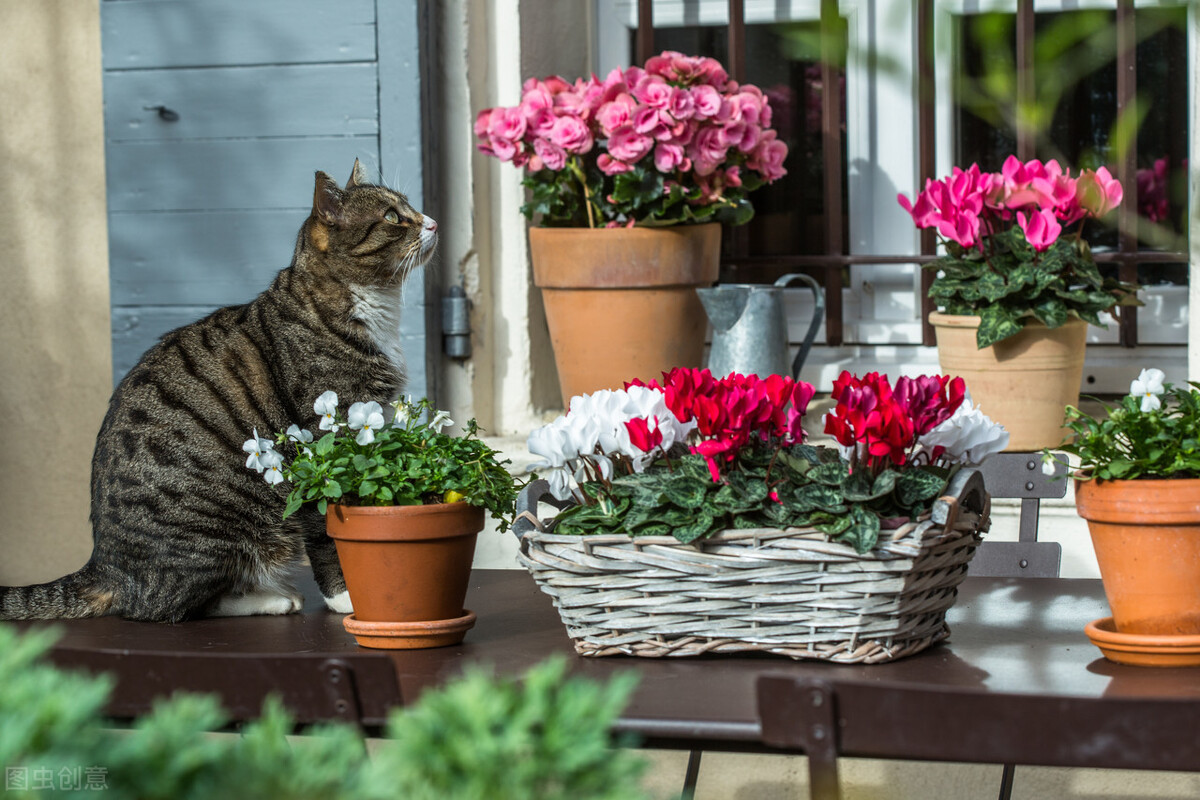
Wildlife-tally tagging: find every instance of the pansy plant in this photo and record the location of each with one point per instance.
(375, 458)
(1154, 432)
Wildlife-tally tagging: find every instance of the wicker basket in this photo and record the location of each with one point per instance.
(790, 592)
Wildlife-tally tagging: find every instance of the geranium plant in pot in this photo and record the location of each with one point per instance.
(628, 177)
(1018, 285)
(403, 501)
(1138, 486)
(703, 522)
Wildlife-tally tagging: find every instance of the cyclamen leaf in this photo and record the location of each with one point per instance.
(863, 531)
(815, 497)
(830, 474)
(652, 529)
(996, 323)
(700, 527)
(918, 485)
(687, 493)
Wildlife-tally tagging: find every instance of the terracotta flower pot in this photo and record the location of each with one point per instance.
(1147, 539)
(1024, 382)
(406, 569)
(621, 302)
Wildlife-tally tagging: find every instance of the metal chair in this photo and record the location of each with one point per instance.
(1006, 475)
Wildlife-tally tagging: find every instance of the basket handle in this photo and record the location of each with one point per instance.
(527, 505)
(966, 490)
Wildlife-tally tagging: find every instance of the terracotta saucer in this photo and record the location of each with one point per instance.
(410, 635)
(1143, 650)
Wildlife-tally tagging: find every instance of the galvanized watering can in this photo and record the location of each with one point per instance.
(750, 327)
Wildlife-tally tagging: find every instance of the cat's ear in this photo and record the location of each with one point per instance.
(327, 200)
(358, 177)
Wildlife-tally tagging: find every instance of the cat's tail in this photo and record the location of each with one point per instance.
(72, 596)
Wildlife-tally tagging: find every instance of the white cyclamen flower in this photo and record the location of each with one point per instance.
(326, 406)
(298, 434)
(1148, 387)
(366, 418)
(272, 463)
(257, 447)
(969, 435)
(440, 420)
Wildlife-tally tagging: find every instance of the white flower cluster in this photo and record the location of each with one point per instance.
(366, 418)
(582, 443)
(969, 435)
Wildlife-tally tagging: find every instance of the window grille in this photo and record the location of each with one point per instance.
(741, 264)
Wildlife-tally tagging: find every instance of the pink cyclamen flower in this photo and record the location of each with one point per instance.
(1041, 228)
(1098, 192)
(642, 436)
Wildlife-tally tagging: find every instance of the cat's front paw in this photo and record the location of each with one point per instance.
(340, 603)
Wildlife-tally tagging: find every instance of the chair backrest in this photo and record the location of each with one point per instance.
(1019, 475)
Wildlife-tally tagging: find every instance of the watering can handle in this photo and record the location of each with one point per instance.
(818, 316)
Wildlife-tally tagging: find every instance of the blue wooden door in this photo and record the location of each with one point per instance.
(217, 114)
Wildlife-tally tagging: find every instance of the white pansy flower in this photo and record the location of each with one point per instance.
(257, 447)
(1148, 387)
(298, 434)
(1049, 465)
(272, 463)
(969, 435)
(402, 412)
(366, 418)
(326, 406)
(440, 420)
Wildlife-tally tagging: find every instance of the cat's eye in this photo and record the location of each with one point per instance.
(392, 217)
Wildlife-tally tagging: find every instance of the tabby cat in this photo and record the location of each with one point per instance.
(181, 528)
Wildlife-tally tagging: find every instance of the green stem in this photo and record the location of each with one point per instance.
(577, 171)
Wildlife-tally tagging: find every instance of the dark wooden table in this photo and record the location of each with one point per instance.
(1017, 681)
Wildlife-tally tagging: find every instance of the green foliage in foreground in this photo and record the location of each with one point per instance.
(812, 487)
(543, 737)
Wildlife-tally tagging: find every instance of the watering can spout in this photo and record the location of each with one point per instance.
(725, 304)
(750, 332)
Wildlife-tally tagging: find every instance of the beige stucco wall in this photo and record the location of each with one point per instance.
(55, 352)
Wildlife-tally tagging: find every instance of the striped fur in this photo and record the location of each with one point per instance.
(181, 527)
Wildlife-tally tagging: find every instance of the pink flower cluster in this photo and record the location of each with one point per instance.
(882, 424)
(683, 113)
(1042, 198)
(730, 411)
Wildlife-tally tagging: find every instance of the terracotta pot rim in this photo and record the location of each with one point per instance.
(414, 523)
(1139, 501)
(403, 511)
(942, 319)
(647, 228)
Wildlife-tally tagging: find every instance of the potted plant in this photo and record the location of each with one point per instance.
(403, 501)
(1138, 486)
(702, 522)
(1017, 287)
(628, 177)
